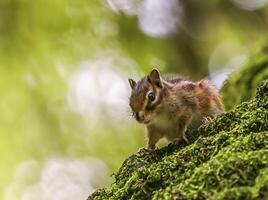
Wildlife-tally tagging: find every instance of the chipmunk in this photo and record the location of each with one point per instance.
(168, 105)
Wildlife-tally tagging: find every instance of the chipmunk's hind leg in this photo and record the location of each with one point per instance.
(185, 138)
(178, 139)
(206, 119)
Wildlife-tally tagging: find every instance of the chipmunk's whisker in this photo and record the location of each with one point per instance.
(128, 112)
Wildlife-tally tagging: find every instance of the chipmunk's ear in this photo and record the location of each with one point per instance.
(132, 83)
(154, 78)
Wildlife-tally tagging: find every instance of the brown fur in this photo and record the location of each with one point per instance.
(179, 103)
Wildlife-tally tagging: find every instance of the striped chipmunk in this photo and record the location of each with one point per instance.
(168, 105)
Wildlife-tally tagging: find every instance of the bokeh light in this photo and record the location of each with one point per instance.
(159, 18)
(250, 5)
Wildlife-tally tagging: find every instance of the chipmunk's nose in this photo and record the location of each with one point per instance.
(140, 116)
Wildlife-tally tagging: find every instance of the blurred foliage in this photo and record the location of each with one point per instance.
(246, 79)
(43, 41)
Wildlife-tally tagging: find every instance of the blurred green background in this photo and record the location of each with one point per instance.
(63, 77)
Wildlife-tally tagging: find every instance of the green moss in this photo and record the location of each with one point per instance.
(241, 85)
(226, 159)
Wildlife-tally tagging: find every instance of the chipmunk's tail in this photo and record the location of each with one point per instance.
(205, 83)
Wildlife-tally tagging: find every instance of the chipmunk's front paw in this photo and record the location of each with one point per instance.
(144, 151)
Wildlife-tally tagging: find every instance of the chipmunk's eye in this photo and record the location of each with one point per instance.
(151, 96)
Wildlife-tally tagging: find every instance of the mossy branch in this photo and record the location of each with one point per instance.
(227, 158)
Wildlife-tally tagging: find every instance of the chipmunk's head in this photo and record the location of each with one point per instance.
(146, 97)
